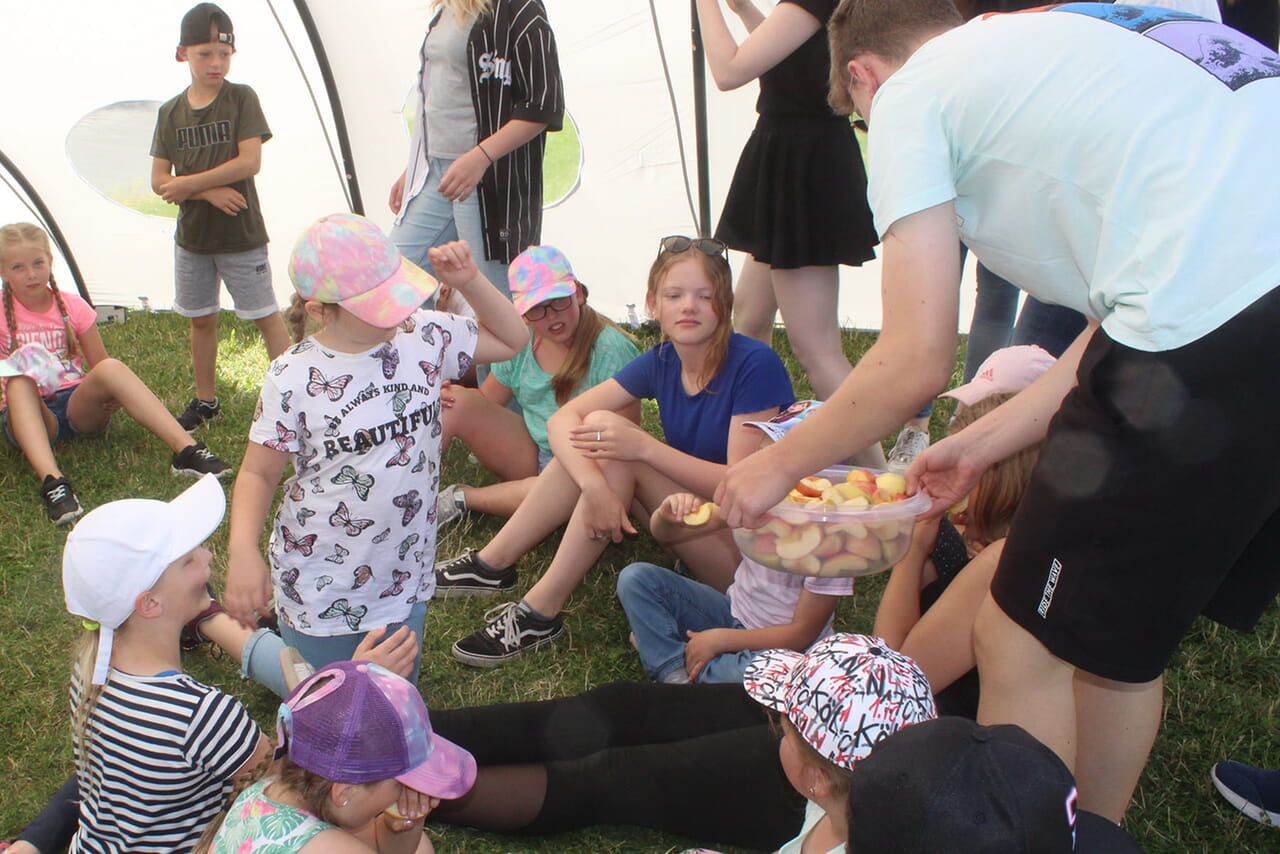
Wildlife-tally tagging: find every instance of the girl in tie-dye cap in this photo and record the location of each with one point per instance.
(569, 349)
(356, 408)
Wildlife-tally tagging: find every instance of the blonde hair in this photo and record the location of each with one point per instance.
(1001, 487)
(25, 233)
(84, 696)
(888, 28)
(577, 362)
(465, 10)
(717, 269)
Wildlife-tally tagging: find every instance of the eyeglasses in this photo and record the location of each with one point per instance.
(540, 310)
(705, 245)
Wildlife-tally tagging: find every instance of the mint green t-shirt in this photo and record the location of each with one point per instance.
(531, 386)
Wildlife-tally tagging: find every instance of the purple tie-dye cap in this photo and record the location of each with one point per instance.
(346, 259)
(357, 722)
(538, 274)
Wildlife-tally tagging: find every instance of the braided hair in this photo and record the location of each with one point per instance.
(25, 233)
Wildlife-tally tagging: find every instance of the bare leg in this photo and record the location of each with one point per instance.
(227, 633)
(550, 503)
(1118, 722)
(111, 381)
(495, 434)
(33, 425)
(808, 299)
(1023, 683)
(498, 499)
(754, 306)
(578, 553)
(274, 335)
(204, 354)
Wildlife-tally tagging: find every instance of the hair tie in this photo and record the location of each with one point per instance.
(91, 625)
(485, 153)
(66, 318)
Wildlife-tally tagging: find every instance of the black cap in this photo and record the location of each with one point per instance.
(952, 785)
(199, 23)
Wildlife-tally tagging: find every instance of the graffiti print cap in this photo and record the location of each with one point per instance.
(845, 695)
(345, 259)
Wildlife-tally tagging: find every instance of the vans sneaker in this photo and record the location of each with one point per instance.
(60, 502)
(197, 412)
(197, 460)
(513, 629)
(1253, 791)
(466, 575)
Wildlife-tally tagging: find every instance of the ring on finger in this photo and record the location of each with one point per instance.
(599, 436)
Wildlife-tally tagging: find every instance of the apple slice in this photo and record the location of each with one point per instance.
(886, 530)
(807, 565)
(843, 564)
(701, 516)
(801, 542)
(858, 502)
(867, 547)
(852, 530)
(777, 527)
(891, 482)
(832, 544)
(859, 475)
(813, 486)
(797, 496)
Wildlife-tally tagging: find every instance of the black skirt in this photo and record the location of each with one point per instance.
(799, 195)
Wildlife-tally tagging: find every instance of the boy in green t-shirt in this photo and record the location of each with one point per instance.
(206, 149)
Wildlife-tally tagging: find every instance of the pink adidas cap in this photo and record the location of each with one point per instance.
(1010, 369)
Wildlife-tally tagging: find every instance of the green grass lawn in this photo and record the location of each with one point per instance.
(1223, 696)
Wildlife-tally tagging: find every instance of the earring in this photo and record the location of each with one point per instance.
(344, 803)
(811, 791)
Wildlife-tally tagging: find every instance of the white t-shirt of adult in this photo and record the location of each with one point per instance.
(354, 539)
(1117, 160)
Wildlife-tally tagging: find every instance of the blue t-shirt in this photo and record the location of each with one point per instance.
(752, 379)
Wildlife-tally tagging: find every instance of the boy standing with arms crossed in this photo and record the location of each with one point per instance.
(206, 149)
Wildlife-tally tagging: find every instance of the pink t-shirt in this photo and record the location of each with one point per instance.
(48, 330)
(761, 597)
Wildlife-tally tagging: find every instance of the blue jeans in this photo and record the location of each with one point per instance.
(1052, 327)
(661, 606)
(431, 220)
(319, 651)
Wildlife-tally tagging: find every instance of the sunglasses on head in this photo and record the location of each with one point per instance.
(705, 245)
(540, 310)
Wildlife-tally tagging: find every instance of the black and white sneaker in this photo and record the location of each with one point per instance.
(197, 412)
(197, 460)
(513, 629)
(60, 502)
(465, 575)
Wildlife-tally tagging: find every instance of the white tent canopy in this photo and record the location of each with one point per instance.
(84, 85)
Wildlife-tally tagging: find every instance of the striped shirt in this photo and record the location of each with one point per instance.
(160, 754)
(514, 74)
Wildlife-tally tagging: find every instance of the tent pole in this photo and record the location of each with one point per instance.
(700, 126)
(335, 104)
(50, 224)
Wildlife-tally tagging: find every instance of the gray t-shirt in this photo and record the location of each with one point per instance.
(451, 116)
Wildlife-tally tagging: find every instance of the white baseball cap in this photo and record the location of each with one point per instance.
(119, 550)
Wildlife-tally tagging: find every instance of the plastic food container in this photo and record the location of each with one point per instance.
(833, 534)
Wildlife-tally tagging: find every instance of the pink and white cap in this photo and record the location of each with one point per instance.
(345, 259)
(1010, 369)
(845, 695)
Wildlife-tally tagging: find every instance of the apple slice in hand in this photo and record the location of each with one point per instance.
(701, 516)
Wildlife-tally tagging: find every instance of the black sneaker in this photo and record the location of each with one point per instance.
(465, 575)
(197, 412)
(60, 501)
(513, 629)
(197, 460)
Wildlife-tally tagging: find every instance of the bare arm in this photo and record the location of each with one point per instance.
(899, 608)
(772, 40)
(502, 331)
(910, 362)
(462, 176)
(244, 165)
(248, 577)
(161, 173)
(91, 346)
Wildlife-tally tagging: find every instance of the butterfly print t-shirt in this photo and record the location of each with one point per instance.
(355, 536)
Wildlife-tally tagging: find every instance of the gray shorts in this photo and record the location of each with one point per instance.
(247, 276)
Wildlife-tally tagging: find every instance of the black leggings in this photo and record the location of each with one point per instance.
(699, 760)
